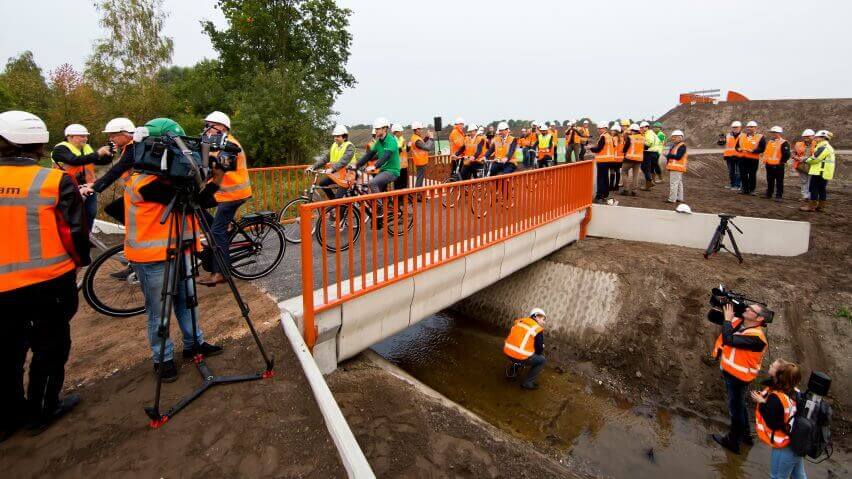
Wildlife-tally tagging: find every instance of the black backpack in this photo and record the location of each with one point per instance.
(811, 436)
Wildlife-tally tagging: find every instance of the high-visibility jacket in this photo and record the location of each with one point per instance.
(618, 145)
(33, 250)
(335, 153)
(531, 139)
(823, 164)
(774, 437)
(471, 144)
(637, 147)
(236, 184)
(544, 146)
(747, 144)
(403, 151)
(87, 172)
(607, 153)
(520, 344)
(418, 155)
(457, 139)
(731, 146)
(739, 363)
(501, 147)
(145, 239)
(653, 142)
(802, 151)
(772, 154)
(678, 165)
(554, 133)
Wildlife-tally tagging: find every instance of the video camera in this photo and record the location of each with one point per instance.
(184, 158)
(720, 296)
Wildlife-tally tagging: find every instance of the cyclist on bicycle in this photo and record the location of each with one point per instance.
(502, 150)
(474, 152)
(384, 152)
(339, 155)
(457, 138)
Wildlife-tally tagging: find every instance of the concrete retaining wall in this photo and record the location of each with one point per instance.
(760, 235)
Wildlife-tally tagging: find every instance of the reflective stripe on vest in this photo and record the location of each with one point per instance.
(153, 247)
(740, 363)
(773, 437)
(637, 147)
(403, 153)
(518, 344)
(36, 193)
(236, 185)
(730, 145)
(678, 165)
(607, 153)
(748, 143)
(336, 152)
(772, 154)
(501, 147)
(544, 147)
(87, 171)
(420, 156)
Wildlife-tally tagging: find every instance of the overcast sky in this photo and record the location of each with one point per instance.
(550, 59)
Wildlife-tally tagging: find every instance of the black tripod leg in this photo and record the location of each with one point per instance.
(734, 244)
(715, 243)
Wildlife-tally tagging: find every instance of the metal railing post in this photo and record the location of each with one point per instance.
(310, 330)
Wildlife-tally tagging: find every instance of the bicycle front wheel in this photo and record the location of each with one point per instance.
(480, 200)
(289, 219)
(256, 247)
(111, 287)
(333, 233)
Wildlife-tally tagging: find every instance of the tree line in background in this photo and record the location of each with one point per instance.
(280, 67)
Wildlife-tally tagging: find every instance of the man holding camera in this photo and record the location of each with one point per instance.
(740, 349)
(235, 189)
(146, 238)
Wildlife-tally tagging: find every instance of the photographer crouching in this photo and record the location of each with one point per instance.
(234, 191)
(740, 349)
(146, 197)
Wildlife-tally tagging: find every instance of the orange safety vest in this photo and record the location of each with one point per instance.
(618, 145)
(772, 154)
(747, 144)
(531, 138)
(607, 153)
(145, 239)
(731, 145)
(33, 251)
(85, 172)
(678, 165)
(501, 147)
(520, 344)
(457, 139)
(637, 147)
(470, 145)
(802, 151)
(236, 184)
(418, 155)
(741, 364)
(774, 437)
(543, 149)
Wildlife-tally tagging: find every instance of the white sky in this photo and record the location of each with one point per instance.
(498, 59)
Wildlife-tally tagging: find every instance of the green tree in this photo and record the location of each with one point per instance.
(193, 92)
(71, 100)
(22, 85)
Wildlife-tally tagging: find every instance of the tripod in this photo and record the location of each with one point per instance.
(184, 214)
(717, 242)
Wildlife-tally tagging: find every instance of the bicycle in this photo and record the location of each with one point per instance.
(397, 221)
(256, 247)
(480, 194)
(289, 214)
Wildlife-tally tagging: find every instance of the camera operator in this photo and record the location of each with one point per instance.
(235, 190)
(740, 348)
(145, 242)
(776, 406)
(46, 239)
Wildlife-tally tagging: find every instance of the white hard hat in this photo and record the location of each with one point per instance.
(119, 125)
(458, 121)
(822, 133)
(373, 131)
(534, 123)
(585, 121)
(502, 126)
(76, 129)
(396, 127)
(737, 123)
(683, 208)
(339, 130)
(220, 118)
(808, 132)
(480, 130)
(537, 312)
(471, 127)
(615, 127)
(381, 122)
(776, 129)
(751, 123)
(644, 124)
(603, 124)
(634, 127)
(22, 128)
(416, 125)
(677, 133)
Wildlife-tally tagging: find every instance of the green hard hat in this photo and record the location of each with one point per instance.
(657, 124)
(161, 126)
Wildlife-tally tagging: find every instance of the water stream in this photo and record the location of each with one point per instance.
(594, 430)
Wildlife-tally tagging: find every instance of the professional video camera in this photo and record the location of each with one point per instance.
(720, 296)
(810, 432)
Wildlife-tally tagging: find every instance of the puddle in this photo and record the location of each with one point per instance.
(598, 432)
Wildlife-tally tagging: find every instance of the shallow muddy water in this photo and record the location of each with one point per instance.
(595, 431)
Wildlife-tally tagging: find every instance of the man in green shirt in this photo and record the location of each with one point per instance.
(662, 136)
(385, 155)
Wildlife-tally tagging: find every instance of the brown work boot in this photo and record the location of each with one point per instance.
(809, 205)
(820, 207)
(648, 185)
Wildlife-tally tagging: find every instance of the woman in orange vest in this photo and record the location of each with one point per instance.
(740, 349)
(45, 240)
(234, 191)
(776, 407)
(802, 150)
(525, 345)
(775, 156)
(676, 160)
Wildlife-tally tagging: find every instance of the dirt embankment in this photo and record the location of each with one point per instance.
(702, 123)
(659, 344)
